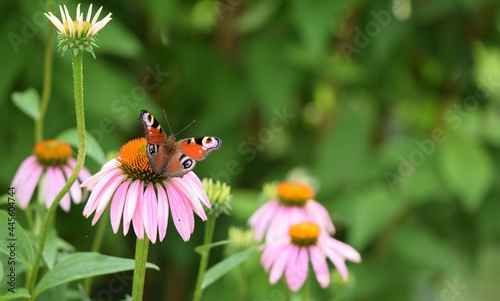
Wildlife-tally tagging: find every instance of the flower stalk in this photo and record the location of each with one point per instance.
(141, 258)
(209, 234)
(80, 159)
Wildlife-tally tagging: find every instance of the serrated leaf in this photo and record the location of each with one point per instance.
(466, 169)
(28, 101)
(94, 150)
(221, 268)
(83, 265)
(23, 248)
(19, 293)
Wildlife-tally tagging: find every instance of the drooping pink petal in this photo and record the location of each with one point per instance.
(182, 214)
(75, 190)
(336, 259)
(280, 223)
(26, 181)
(162, 211)
(320, 266)
(316, 211)
(192, 178)
(130, 204)
(137, 220)
(117, 205)
(297, 268)
(98, 190)
(189, 193)
(24, 170)
(106, 194)
(260, 220)
(342, 249)
(279, 265)
(150, 212)
(54, 182)
(90, 183)
(273, 251)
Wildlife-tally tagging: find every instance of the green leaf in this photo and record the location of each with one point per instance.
(256, 15)
(374, 208)
(94, 150)
(19, 293)
(221, 268)
(23, 247)
(50, 250)
(467, 170)
(28, 102)
(83, 265)
(203, 248)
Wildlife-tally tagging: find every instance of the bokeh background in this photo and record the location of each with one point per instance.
(390, 108)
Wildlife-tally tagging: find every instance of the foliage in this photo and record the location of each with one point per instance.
(393, 107)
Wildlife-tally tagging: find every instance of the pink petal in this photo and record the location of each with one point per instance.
(75, 190)
(91, 182)
(162, 211)
(150, 212)
(272, 252)
(26, 180)
(98, 190)
(320, 266)
(181, 213)
(106, 194)
(137, 218)
(316, 211)
(279, 265)
(189, 193)
(193, 179)
(296, 269)
(54, 182)
(260, 220)
(117, 205)
(342, 249)
(337, 260)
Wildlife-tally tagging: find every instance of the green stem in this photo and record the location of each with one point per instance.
(306, 290)
(47, 80)
(80, 124)
(96, 245)
(141, 258)
(209, 234)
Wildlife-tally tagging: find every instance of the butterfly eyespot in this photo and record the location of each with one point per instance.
(187, 163)
(152, 149)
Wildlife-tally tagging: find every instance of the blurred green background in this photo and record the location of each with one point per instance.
(392, 107)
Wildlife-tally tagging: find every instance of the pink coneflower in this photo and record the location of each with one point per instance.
(143, 197)
(49, 167)
(294, 203)
(306, 242)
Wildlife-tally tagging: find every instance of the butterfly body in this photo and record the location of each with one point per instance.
(174, 158)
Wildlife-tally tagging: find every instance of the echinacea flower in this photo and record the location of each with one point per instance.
(143, 197)
(306, 242)
(77, 34)
(294, 203)
(48, 168)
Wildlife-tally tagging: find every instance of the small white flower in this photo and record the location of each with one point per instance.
(77, 35)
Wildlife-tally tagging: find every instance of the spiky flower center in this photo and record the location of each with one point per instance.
(135, 162)
(76, 24)
(304, 234)
(52, 152)
(294, 194)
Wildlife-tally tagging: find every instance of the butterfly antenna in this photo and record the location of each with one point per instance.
(186, 127)
(168, 123)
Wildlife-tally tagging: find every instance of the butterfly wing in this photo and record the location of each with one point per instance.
(198, 148)
(159, 147)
